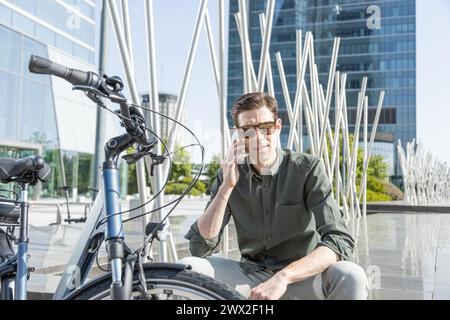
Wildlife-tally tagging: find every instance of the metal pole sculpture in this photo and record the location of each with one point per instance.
(426, 179)
(313, 104)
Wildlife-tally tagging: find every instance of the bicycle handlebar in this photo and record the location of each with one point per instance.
(109, 87)
(76, 77)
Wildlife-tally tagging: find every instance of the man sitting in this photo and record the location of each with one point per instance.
(291, 234)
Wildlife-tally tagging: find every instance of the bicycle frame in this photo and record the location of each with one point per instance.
(81, 259)
(106, 204)
(19, 262)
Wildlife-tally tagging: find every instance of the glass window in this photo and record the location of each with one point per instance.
(64, 44)
(49, 121)
(33, 100)
(9, 93)
(5, 15)
(23, 24)
(71, 2)
(82, 52)
(91, 57)
(86, 32)
(45, 35)
(32, 47)
(46, 11)
(27, 5)
(86, 9)
(9, 50)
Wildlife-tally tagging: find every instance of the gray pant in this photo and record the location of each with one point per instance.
(343, 280)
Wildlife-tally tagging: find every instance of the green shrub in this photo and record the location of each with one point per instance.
(391, 190)
(373, 196)
(179, 188)
(199, 185)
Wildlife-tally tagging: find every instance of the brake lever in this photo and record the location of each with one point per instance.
(90, 89)
(92, 93)
(134, 157)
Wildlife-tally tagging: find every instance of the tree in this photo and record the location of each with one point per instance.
(211, 172)
(378, 188)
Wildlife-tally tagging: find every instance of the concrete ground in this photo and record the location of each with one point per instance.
(406, 255)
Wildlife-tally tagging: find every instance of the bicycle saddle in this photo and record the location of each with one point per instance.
(27, 170)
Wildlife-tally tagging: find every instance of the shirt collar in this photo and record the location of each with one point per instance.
(270, 171)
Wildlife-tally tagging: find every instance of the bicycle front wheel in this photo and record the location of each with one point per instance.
(163, 283)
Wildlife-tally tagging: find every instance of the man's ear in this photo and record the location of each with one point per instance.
(278, 123)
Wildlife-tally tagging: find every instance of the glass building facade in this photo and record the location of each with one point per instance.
(35, 112)
(385, 53)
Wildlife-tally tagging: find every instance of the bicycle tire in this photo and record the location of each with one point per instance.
(169, 281)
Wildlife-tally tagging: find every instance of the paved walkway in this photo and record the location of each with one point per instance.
(407, 256)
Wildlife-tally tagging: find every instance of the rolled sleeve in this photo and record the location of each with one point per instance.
(330, 224)
(198, 245)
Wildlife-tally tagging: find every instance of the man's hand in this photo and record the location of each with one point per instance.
(272, 289)
(235, 155)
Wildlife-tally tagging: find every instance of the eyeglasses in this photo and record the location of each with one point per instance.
(249, 131)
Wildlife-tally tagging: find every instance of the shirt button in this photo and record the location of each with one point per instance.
(268, 237)
(267, 211)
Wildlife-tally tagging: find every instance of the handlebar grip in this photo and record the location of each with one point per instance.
(41, 65)
(44, 66)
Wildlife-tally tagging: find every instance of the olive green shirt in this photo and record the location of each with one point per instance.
(280, 217)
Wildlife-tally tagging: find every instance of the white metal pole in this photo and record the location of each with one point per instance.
(126, 61)
(366, 117)
(308, 119)
(223, 104)
(249, 76)
(315, 105)
(300, 111)
(270, 86)
(286, 95)
(372, 136)
(127, 31)
(339, 96)
(334, 158)
(329, 91)
(245, 76)
(354, 157)
(246, 43)
(265, 45)
(299, 88)
(153, 92)
(186, 78)
(212, 51)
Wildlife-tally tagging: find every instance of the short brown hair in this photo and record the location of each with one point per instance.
(252, 101)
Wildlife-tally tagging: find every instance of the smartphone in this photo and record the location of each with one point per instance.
(236, 137)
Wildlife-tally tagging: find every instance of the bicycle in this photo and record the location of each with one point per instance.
(130, 276)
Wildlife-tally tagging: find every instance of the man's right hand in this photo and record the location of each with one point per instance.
(236, 154)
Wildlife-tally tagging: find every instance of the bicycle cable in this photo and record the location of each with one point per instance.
(188, 188)
(149, 238)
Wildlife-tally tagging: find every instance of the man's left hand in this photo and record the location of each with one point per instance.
(272, 289)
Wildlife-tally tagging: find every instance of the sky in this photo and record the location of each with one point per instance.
(433, 77)
(174, 25)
